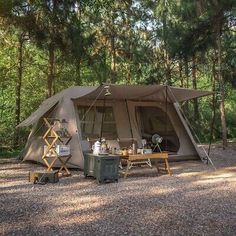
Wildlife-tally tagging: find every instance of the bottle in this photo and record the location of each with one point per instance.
(130, 151)
(134, 148)
(97, 148)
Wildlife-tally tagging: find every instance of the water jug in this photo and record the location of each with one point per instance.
(96, 148)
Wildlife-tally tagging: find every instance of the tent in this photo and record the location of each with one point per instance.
(130, 112)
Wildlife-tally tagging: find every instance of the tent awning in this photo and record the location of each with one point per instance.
(158, 93)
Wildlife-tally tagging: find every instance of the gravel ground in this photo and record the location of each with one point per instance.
(196, 200)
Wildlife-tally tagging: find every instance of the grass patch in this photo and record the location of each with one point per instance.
(7, 152)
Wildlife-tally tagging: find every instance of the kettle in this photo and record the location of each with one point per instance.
(96, 148)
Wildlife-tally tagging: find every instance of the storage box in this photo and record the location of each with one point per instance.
(43, 177)
(147, 151)
(61, 150)
(102, 167)
(144, 151)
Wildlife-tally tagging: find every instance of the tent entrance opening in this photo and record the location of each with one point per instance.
(154, 120)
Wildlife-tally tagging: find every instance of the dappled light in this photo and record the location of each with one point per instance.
(128, 107)
(155, 191)
(146, 201)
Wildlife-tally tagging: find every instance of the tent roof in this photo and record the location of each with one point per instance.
(118, 92)
(146, 93)
(72, 92)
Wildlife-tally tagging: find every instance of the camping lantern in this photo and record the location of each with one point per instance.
(107, 92)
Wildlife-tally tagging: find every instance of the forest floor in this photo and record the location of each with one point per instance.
(195, 200)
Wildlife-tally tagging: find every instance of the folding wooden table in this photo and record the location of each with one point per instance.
(132, 159)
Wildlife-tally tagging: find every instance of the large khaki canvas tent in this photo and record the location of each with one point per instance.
(130, 112)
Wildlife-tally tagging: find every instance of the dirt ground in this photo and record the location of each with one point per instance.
(195, 200)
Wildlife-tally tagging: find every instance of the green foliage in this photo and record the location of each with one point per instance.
(7, 152)
(5, 7)
(129, 42)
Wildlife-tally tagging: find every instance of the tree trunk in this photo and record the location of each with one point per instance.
(222, 88)
(78, 72)
(50, 76)
(18, 88)
(214, 102)
(166, 55)
(113, 60)
(129, 43)
(181, 74)
(167, 68)
(212, 137)
(195, 101)
(222, 116)
(187, 83)
(78, 67)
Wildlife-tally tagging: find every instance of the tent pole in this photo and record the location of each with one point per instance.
(191, 129)
(92, 104)
(131, 131)
(166, 118)
(103, 115)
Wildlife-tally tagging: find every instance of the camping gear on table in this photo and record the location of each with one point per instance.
(125, 152)
(157, 139)
(96, 148)
(104, 148)
(142, 109)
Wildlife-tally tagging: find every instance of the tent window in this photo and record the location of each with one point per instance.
(92, 121)
(153, 120)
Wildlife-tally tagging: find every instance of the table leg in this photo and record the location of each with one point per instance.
(157, 166)
(149, 163)
(120, 165)
(127, 168)
(167, 166)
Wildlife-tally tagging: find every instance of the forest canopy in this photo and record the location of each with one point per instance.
(49, 45)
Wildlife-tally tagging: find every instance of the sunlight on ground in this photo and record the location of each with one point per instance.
(189, 174)
(216, 177)
(84, 202)
(156, 190)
